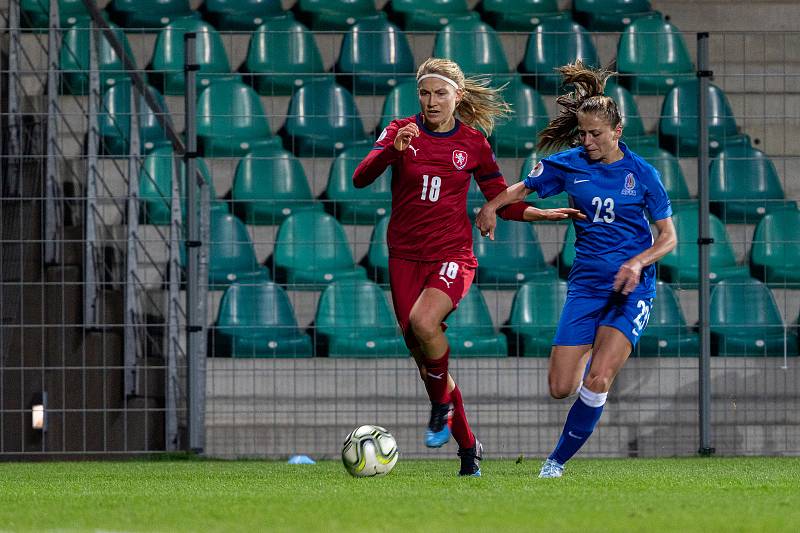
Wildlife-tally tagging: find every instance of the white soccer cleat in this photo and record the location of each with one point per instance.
(551, 469)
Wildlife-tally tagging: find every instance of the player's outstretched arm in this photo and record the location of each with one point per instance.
(487, 216)
(629, 274)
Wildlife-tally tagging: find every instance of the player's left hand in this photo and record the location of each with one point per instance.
(559, 213)
(628, 276)
(486, 221)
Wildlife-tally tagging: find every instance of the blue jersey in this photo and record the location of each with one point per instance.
(614, 197)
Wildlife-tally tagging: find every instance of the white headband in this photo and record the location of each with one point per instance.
(439, 77)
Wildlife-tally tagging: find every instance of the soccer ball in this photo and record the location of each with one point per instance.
(369, 451)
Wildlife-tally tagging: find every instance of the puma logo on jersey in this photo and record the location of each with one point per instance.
(436, 376)
(413, 149)
(449, 283)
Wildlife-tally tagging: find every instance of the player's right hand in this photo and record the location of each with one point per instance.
(486, 221)
(405, 135)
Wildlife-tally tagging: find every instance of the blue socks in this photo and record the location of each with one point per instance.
(581, 420)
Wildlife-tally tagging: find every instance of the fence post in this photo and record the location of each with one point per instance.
(172, 337)
(90, 228)
(703, 242)
(194, 301)
(13, 175)
(131, 332)
(52, 212)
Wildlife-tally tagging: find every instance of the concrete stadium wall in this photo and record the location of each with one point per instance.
(262, 408)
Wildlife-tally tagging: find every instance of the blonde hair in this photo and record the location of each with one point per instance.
(480, 104)
(586, 98)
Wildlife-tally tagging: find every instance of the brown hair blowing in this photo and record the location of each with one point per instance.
(589, 84)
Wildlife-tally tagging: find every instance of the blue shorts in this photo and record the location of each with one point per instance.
(583, 314)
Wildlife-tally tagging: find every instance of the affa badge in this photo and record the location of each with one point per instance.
(459, 159)
(630, 185)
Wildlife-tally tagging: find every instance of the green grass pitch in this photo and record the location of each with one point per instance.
(708, 495)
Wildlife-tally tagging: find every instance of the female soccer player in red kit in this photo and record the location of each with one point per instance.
(434, 155)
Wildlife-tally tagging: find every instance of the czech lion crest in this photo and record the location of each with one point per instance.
(459, 159)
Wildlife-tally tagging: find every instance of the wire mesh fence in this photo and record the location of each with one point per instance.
(299, 330)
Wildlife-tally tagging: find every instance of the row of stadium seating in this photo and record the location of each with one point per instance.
(311, 250)
(270, 183)
(375, 55)
(414, 15)
(322, 119)
(354, 319)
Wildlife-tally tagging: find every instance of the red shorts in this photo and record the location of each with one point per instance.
(409, 278)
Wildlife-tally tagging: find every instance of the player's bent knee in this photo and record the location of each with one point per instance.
(423, 327)
(598, 382)
(559, 391)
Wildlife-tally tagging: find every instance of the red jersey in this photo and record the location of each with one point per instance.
(430, 181)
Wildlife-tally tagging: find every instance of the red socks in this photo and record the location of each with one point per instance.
(436, 384)
(460, 427)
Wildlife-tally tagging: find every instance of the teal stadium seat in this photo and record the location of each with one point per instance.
(566, 257)
(470, 331)
(555, 42)
(518, 135)
(667, 334)
(311, 251)
(74, 59)
(166, 65)
(148, 13)
(268, 186)
(282, 56)
(257, 320)
(402, 101)
(322, 120)
(775, 255)
(374, 57)
(377, 260)
(475, 46)
(670, 171)
(231, 257)
(744, 185)
(155, 186)
(114, 120)
(428, 15)
(354, 320)
(519, 15)
(677, 127)
(652, 57)
(513, 257)
(746, 321)
(475, 200)
(357, 206)
(633, 132)
(333, 15)
(36, 13)
(534, 317)
(240, 15)
(231, 121)
(681, 265)
(610, 15)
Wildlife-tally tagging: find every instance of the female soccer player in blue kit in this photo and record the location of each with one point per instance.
(612, 282)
